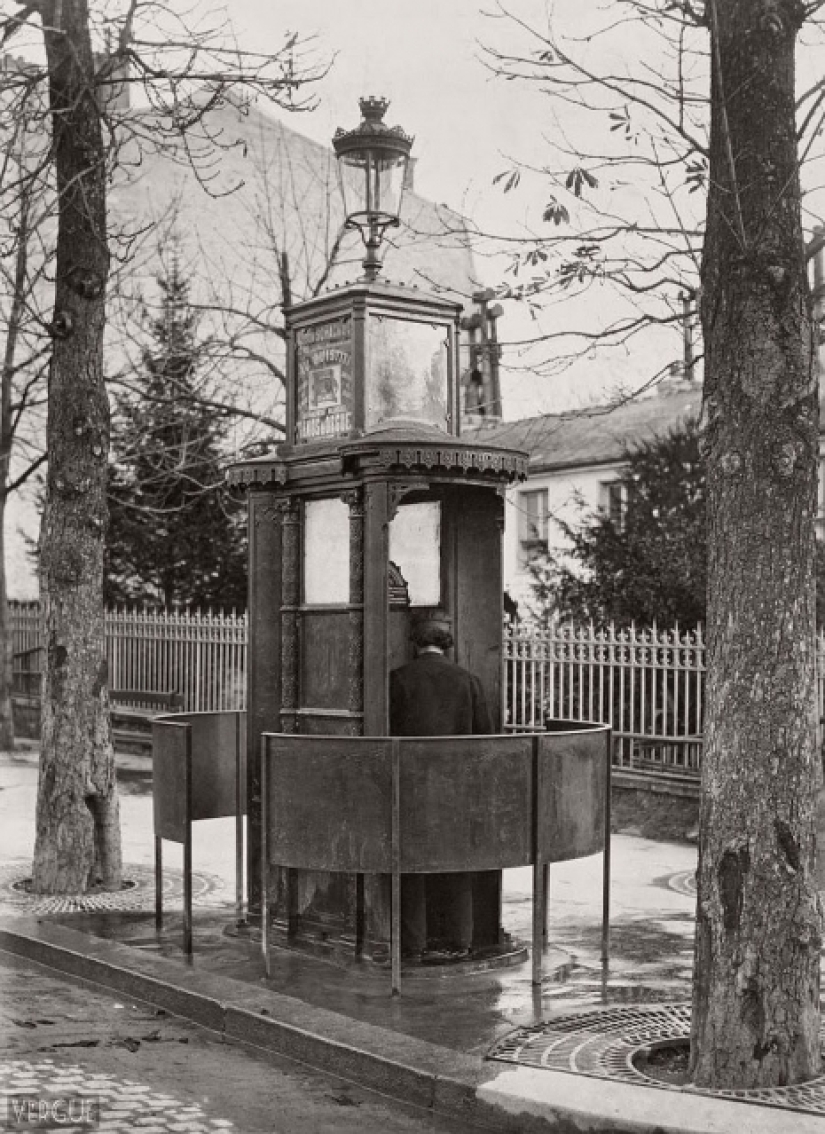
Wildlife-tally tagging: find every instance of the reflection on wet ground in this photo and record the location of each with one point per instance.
(651, 929)
(650, 961)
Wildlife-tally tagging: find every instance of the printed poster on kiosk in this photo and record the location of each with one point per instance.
(324, 381)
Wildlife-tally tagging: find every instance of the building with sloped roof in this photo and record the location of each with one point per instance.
(576, 461)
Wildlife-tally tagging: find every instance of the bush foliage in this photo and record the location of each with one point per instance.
(651, 565)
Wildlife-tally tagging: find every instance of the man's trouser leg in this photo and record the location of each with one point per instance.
(452, 897)
(413, 914)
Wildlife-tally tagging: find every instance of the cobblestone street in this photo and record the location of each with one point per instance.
(154, 1073)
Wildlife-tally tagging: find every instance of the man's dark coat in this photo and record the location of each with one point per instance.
(433, 696)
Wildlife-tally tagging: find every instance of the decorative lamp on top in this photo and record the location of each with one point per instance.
(372, 166)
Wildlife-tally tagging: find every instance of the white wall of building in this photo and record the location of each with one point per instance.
(22, 524)
(571, 495)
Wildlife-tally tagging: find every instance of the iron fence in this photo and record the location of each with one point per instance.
(648, 684)
(199, 654)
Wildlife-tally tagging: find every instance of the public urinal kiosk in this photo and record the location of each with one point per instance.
(372, 508)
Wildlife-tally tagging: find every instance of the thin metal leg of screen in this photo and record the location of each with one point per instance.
(240, 770)
(395, 895)
(187, 853)
(158, 883)
(395, 934)
(545, 901)
(264, 863)
(606, 867)
(187, 891)
(539, 919)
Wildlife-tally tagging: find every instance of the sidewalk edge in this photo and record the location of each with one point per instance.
(409, 1069)
(499, 1097)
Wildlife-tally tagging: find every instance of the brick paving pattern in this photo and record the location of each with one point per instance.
(124, 1105)
(155, 1073)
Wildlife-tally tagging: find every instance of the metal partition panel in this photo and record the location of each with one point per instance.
(198, 772)
(216, 740)
(437, 804)
(466, 802)
(329, 803)
(218, 753)
(572, 783)
(170, 755)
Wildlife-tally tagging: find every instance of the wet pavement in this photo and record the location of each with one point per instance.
(126, 1066)
(427, 1046)
(651, 930)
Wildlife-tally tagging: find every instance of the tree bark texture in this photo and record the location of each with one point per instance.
(78, 832)
(756, 983)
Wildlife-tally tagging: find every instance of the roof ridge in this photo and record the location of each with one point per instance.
(603, 409)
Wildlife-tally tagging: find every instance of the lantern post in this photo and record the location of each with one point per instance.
(371, 510)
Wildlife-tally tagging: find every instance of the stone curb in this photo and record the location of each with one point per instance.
(498, 1097)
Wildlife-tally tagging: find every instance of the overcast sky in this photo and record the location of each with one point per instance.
(424, 56)
(427, 57)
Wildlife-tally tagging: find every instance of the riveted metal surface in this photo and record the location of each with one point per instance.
(603, 1044)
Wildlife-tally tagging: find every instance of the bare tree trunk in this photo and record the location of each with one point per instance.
(78, 834)
(756, 986)
(6, 646)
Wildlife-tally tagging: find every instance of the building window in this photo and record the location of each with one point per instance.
(613, 500)
(532, 523)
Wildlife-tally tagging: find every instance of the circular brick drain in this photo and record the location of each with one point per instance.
(138, 892)
(603, 1043)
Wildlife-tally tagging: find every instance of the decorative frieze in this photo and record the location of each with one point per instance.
(257, 472)
(483, 460)
(452, 457)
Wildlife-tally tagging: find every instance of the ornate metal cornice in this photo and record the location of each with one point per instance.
(513, 465)
(271, 471)
(405, 447)
(447, 454)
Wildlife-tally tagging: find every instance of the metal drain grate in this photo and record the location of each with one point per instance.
(138, 892)
(683, 883)
(602, 1044)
